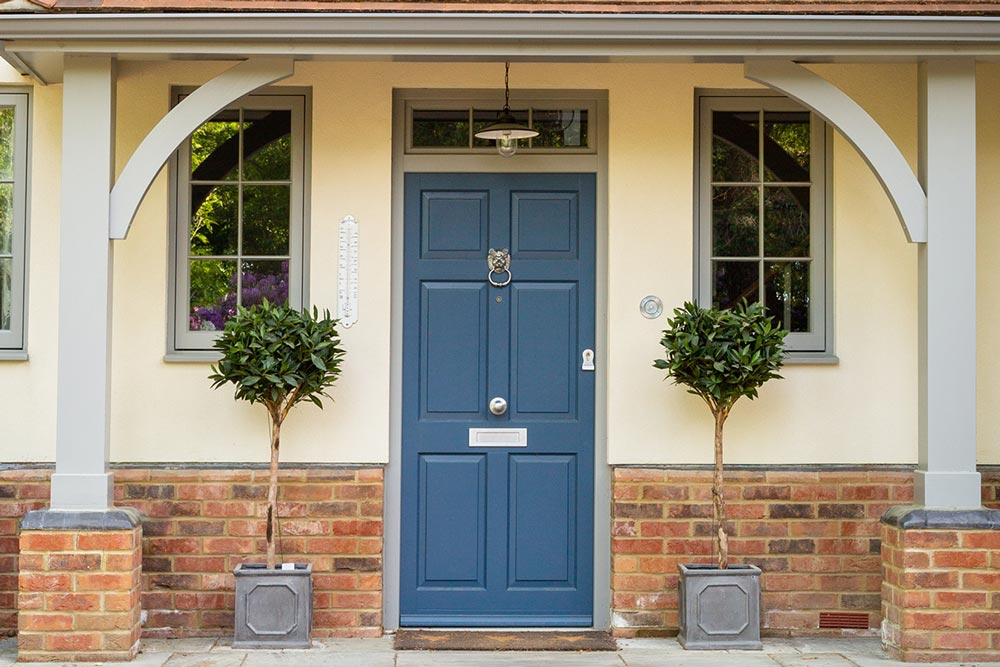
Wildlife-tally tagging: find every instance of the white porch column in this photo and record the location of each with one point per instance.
(946, 476)
(82, 480)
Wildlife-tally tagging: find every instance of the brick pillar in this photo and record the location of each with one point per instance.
(940, 587)
(78, 586)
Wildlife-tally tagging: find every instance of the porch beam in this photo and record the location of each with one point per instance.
(857, 127)
(946, 475)
(178, 124)
(82, 480)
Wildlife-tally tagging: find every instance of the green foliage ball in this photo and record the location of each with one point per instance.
(722, 355)
(278, 356)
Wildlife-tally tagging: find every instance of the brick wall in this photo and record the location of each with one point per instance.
(79, 595)
(200, 523)
(815, 534)
(941, 594)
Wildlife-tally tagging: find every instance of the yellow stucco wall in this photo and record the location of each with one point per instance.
(28, 389)
(860, 410)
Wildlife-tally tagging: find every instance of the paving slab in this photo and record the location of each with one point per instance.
(318, 658)
(379, 645)
(210, 659)
(813, 660)
(650, 644)
(185, 645)
(507, 659)
(141, 660)
(646, 658)
(871, 646)
(885, 661)
(661, 652)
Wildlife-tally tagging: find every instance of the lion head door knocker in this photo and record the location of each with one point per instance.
(499, 263)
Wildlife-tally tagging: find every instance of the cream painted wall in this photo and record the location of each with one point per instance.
(28, 389)
(861, 410)
(988, 268)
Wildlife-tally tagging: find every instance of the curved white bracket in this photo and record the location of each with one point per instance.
(860, 129)
(154, 151)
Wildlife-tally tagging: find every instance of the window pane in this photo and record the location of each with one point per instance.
(786, 146)
(213, 293)
(735, 146)
(215, 148)
(735, 223)
(264, 279)
(267, 145)
(481, 118)
(786, 293)
(6, 218)
(439, 127)
(6, 291)
(7, 142)
(265, 219)
(566, 128)
(786, 222)
(214, 219)
(734, 281)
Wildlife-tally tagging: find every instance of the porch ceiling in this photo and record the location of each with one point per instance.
(36, 43)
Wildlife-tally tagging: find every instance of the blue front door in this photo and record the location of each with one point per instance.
(497, 509)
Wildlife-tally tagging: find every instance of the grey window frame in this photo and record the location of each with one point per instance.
(13, 341)
(184, 345)
(816, 344)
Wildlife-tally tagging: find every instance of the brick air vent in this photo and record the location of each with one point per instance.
(843, 619)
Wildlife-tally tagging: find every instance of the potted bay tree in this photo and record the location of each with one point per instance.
(277, 357)
(721, 356)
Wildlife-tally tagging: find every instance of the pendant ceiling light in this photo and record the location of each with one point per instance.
(506, 130)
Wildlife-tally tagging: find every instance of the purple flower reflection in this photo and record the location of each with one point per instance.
(256, 288)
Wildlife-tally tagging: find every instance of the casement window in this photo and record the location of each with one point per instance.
(762, 209)
(13, 222)
(239, 229)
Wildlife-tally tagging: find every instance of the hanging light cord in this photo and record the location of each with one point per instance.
(506, 86)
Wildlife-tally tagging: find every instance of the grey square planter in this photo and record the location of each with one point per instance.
(273, 607)
(719, 609)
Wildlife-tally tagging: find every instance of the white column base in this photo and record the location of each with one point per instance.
(71, 491)
(947, 489)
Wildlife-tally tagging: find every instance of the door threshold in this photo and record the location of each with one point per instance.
(504, 639)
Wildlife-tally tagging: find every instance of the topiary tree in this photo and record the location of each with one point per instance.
(278, 356)
(721, 356)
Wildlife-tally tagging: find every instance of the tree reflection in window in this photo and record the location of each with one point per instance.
(240, 198)
(760, 171)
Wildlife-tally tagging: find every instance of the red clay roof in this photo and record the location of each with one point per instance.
(794, 7)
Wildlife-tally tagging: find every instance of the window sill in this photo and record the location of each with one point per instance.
(192, 357)
(811, 359)
(13, 355)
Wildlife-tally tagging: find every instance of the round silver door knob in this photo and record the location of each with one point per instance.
(498, 406)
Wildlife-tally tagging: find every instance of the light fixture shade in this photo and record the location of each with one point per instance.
(506, 126)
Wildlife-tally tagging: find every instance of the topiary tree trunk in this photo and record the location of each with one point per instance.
(278, 356)
(721, 356)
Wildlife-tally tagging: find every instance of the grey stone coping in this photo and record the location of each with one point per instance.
(118, 518)
(912, 517)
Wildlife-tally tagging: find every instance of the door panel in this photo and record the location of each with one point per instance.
(543, 345)
(497, 535)
(454, 224)
(543, 520)
(453, 318)
(544, 223)
(453, 495)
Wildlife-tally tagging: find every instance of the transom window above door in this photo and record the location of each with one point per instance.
(762, 213)
(452, 128)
